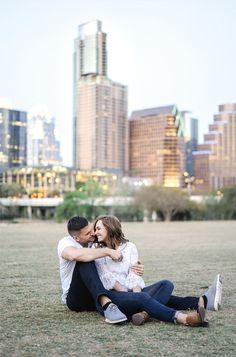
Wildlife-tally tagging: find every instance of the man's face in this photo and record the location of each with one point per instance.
(84, 236)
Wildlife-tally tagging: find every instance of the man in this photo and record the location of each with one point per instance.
(82, 288)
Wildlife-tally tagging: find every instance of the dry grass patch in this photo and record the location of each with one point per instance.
(35, 323)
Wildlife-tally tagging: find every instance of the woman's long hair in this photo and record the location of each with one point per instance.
(114, 231)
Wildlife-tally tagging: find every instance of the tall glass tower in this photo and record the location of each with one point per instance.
(13, 124)
(90, 49)
(100, 106)
(190, 139)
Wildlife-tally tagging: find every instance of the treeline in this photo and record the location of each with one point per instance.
(151, 203)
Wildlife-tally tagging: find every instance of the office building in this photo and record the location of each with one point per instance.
(215, 159)
(12, 138)
(100, 106)
(190, 140)
(43, 148)
(157, 145)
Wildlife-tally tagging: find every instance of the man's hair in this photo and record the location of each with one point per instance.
(76, 223)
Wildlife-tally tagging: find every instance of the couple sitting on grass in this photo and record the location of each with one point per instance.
(99, 270)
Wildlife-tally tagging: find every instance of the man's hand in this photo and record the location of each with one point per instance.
(136, 289)
(138, 268)
(115, 255)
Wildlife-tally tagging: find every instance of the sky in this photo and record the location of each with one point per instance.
(179, 52)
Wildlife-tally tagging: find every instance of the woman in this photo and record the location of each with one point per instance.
(134, 296)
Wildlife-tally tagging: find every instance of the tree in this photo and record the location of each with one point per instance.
(81, 201)
(166, 202)
(128, 213)
(227, 204)
(12, 190)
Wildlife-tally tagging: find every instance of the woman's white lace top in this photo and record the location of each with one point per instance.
(110, 271)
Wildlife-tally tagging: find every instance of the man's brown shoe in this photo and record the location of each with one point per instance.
(140, 318)
(196, 318)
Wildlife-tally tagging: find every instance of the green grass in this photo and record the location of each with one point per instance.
(34, 322)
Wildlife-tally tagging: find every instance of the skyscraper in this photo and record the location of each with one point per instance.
(90, 50)
(157, 145)
(12, 138)
(43, 148)
(100, 106)
(190, 139)
(215, 159)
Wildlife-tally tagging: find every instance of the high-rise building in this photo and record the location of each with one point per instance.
(12, 138)
(100, 106)
(90, 56)
(43, 148)
(157, 145)
(191, 140)
(215, 159)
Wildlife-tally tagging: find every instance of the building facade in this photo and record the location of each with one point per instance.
(43, 148)
(102, 128)
(55, 180)
(100, 106)
(13, 145)
(215, 159)
(157, 145)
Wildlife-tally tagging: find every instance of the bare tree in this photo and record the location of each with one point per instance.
(164, 201)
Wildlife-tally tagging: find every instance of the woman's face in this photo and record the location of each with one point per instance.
(101, 232)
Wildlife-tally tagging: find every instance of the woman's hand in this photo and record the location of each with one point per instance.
(119, 287)
(138, 268)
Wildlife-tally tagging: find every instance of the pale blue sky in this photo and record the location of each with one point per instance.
(179, 52)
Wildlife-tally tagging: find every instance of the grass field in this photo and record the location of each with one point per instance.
(34, 322)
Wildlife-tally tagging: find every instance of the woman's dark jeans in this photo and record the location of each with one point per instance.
(161, 291)
(152, 299)
(86, 288)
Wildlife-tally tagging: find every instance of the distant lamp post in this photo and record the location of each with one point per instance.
(219, 195)
(189, 181)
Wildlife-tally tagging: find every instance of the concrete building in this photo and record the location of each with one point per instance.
(43, 148)
(157, 145)
(100, 106)
(215, 159)
(13, 144)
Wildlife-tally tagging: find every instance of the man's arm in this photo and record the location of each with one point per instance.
(88, 254)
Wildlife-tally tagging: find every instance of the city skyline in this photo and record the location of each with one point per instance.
(181, 52)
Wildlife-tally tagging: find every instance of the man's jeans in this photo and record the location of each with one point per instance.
(85, 288)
